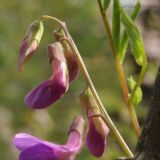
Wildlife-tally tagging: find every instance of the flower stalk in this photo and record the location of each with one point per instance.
(121, 73)
(88, 80)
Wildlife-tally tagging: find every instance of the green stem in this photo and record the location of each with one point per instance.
(120, 72)
(106, 117)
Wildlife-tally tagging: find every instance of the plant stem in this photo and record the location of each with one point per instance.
(120, 73)
(105, 115)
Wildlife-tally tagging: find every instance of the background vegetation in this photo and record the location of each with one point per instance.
(85, 25)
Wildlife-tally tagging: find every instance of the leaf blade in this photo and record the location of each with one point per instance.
(124, 39)
(134, 37)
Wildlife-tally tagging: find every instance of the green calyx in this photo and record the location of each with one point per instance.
(35, 31)
(88, 102)
(137, 97)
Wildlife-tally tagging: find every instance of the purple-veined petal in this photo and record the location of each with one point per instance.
(38, 152)
(75, 134)
(98, 130)
(45, 94)
(95, 142)
(30, 43)
(22, 52)
(32, 148)
(23, 141)
(74, 142)
(73, 68)
(26, 51)
(55, 87)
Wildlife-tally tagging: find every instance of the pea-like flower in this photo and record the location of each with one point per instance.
(98, 130)
(73, 67)
(32, 148)
(96, 137)
(72, 63)
(30, 43)
(55, 87)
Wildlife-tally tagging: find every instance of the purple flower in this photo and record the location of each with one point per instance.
(72, 63)
(73, 67)
(32, 148)
(55, 87)
(30, 43)
(96, 136)
(98, 130)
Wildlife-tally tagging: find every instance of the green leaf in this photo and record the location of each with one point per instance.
(124, 40)
(136, 10)
(116, 24)
(137, 97)
(134, 37)
(106, 4)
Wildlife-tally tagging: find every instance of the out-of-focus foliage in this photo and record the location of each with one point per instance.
(106, 4)
(85, 25)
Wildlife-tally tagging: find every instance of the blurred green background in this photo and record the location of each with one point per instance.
(85, 25)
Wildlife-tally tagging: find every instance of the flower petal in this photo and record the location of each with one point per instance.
(55, 87)
(23, 141)
(33, 148)
(26, 51)
(38, 152)
(74, 142)
(30, 43)
(45, 94)
(95, 142)
(31, 145)
(72, 67)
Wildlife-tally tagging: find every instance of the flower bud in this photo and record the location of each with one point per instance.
(88, 102)
(55, 51)
(30, 43)
(98, 130)
(70, 56)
